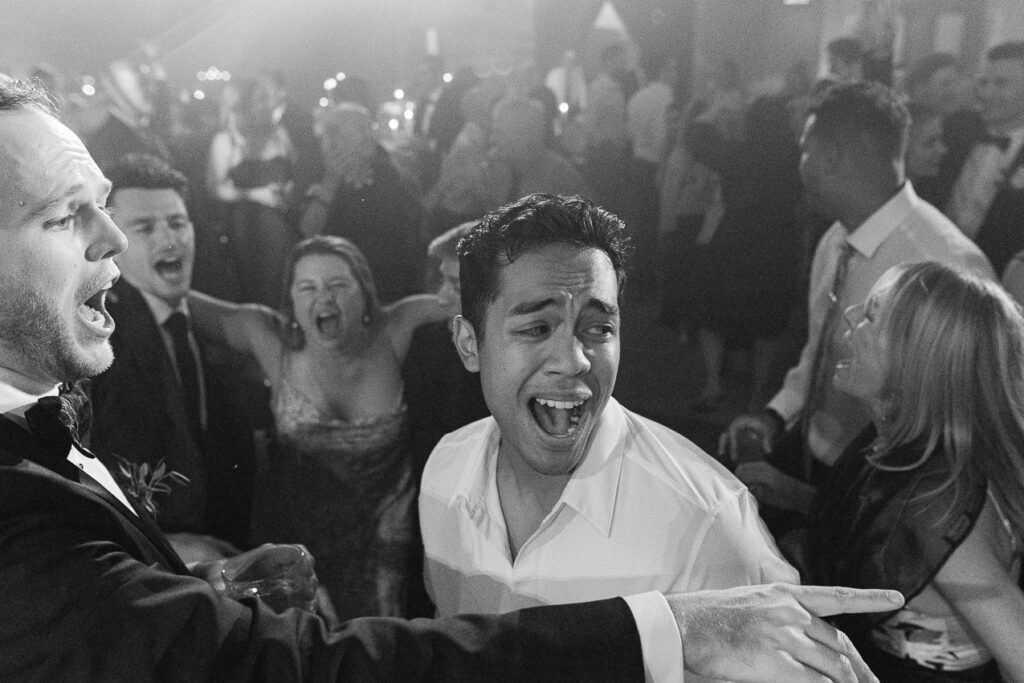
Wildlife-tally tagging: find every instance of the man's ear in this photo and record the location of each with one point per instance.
(464, 337)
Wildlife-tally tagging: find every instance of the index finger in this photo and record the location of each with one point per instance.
(824, 601)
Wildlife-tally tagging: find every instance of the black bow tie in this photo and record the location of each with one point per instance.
(63, 419)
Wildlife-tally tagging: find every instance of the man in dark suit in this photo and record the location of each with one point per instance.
(987, 196)
(170, 398)
(92, 590)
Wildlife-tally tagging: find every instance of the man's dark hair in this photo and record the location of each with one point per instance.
(1010, 50)
(146, 172)
(849, 50)
(923, 69)
(533, 222)
(16, 94)
(863, 115)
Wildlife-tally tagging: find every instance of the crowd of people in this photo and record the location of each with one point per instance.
(402, 359)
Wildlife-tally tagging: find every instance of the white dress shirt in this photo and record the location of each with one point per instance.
(645, 121)
(13, 404)
(906, 229)
(646, 510)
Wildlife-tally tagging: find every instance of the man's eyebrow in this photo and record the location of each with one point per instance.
(528, 307)
(47, 206)
(603, 306)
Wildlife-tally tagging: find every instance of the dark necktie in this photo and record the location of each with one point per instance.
(188, 371)
(822, 370)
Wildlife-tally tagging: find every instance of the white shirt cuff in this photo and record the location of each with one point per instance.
(659, 637)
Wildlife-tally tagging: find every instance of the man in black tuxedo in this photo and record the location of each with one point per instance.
(171, 398)
(987, 196)
(92, 590)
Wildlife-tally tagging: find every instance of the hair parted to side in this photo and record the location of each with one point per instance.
(535, 221)
(16, 94)
(863, 116)
(956, 378)
(146, 172)
(327, 245)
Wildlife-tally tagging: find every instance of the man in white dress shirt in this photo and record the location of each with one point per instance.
(852, 166)
(564, 495)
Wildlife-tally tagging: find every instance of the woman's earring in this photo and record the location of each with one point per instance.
(366, 319)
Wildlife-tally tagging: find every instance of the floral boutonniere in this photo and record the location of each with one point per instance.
(142, 482)
(1017, 179)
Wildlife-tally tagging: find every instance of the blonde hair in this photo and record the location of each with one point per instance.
(955, 378)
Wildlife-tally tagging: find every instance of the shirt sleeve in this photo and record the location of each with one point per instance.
(659, 637)
(737, 549)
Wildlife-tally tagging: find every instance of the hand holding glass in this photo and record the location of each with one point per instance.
(281, 576)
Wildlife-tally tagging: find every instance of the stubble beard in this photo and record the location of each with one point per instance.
(32, 329)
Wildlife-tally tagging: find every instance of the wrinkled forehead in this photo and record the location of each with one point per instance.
(41, 157)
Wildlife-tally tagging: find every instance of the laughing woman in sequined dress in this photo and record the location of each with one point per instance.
(340, 481)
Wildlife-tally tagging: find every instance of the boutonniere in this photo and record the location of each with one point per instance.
(142, 482)
(1017, 179)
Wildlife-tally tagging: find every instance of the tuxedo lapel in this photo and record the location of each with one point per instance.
(20, 448)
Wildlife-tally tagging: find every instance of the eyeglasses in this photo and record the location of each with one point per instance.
(856, 315)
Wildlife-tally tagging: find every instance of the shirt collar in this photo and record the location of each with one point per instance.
(15, 401)
(160, 309)
(870, 234)
(593, 487)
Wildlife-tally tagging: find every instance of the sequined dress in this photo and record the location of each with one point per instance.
(344, 489)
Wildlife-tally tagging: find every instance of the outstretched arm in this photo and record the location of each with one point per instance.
(247, 328)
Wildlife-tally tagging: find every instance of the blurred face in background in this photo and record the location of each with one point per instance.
(450, 291)
(925, 148)
(346, 137)
(1000, 94)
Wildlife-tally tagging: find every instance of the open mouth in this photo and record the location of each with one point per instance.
(328, 324)
(172, 266)
(94, 311)
(557, 418)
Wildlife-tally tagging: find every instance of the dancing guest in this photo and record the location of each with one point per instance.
(250, 170)
(853, 169)
(929, 499)
(341, 481)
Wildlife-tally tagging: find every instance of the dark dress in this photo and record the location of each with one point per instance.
(260, 236)
(747, 277)
(871, 528)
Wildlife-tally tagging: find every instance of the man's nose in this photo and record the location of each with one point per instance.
(568, 355)
(105, 239)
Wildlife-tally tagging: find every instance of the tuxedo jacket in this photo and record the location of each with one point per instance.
(139, 414)
(1001, 234)
(93, 592)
